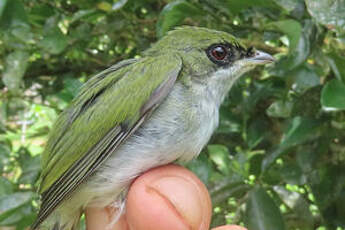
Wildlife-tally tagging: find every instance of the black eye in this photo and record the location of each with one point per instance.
(219, 52)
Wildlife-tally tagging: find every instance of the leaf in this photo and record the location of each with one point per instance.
(291, 28)
(202, 167)
(256, 132)
(328, 12)
(5, 186)
(299, 205)
(15, 67)
(105, 6)
(291, 173)
(12, 13)
(219, 154)
(13, 201)
(328, 188)
(261, 212)
(21, 217)
(223, 191)
(54, 41)
(173, 14)
(4, 155)
(333, 95)
(299, 131)
(72, 85)
(30, 168)
(304, 78)
(234, 6)
(289, 5)
(118, 4)
(280, 108)
(308, 104)
(2, 7)
(337, 64)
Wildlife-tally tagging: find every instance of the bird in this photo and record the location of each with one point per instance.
(136, 115)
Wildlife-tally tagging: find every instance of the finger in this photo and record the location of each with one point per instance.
(229, 227)
(168, 197)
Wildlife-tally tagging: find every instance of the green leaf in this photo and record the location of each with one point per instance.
(256, 132)
(234, 6)
(261, 212)
(333, 95)
(21, 217)
(4, 155)
(5, 186)
(299, 131)
(12, 13)
(54, 41)
(291, 173)
(296, 202)
(118, 4)
(308, 104)
(72, 85)
(30, 168)
(226, 189)
(328, 12)
(15, 67)
(202, 167)
(280, 108)
(337, 64)
(291, 28)
(10, 203)
(2, 7)
(304, 78)
(289, 5)
(219, 154)
(173, 14)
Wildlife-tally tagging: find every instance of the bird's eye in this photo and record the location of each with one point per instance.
(219, 52)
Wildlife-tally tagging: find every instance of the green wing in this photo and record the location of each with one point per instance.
(108, 109)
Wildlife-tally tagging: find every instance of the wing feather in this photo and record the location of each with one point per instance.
(108, 109)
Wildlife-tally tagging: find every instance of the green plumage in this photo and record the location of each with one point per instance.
(112, 105)
(104, 113)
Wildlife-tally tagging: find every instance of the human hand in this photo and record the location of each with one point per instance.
(167, 197)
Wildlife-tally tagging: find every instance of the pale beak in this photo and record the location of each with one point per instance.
(261, 58)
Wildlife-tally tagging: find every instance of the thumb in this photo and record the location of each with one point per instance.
(168, 197)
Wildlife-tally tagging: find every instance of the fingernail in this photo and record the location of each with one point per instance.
(183, 197)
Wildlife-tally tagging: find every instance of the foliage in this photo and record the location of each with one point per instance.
(277, 160)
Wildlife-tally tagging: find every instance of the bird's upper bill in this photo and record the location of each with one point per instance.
(260, 58)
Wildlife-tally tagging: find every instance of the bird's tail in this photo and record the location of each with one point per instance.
(59, 221)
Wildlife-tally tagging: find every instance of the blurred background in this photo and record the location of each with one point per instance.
(277, 160)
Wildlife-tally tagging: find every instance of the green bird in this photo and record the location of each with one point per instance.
(136, 115)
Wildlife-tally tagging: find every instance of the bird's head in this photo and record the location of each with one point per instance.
(212, 58)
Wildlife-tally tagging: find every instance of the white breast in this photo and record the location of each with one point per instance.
(178, 130)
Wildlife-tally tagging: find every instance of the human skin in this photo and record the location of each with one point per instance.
(167, 197)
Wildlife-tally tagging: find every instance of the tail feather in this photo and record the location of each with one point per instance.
(56, 221)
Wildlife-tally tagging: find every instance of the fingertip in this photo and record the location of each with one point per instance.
(229, 227)
(168, 197)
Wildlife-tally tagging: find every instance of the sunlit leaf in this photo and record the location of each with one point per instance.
(219, 154)
(280, 108)
(291, 28)
(328, 12)
(333, 95)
